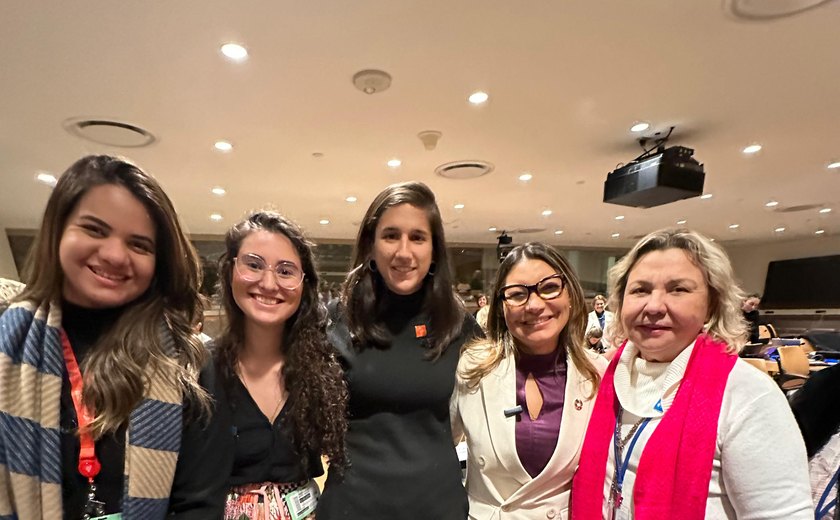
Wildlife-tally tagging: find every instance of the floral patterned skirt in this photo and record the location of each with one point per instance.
(263, 501)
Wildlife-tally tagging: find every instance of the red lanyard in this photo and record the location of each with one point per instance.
(88, 463)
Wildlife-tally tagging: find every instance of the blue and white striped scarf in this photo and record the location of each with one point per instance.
(31, 368)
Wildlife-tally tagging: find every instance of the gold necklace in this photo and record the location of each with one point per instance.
(241, 374)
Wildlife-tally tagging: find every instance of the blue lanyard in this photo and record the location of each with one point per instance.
(621, 466)
(821, 511)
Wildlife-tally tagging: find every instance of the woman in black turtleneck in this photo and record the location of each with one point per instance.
(399, 329)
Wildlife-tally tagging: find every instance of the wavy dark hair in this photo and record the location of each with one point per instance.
(317, 392)
(363, 289)
(501, 344)
(115, 377)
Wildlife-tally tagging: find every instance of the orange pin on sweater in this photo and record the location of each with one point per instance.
(419, 331)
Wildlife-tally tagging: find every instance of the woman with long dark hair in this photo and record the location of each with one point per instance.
(103, 410)
(283, 385)
(399, 329)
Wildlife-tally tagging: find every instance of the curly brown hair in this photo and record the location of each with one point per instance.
(317, 392)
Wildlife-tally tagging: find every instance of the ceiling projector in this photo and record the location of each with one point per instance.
(656, 178)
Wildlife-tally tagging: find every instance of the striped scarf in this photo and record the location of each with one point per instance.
(31, 368)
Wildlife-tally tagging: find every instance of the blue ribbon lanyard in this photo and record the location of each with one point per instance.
(621, 465)
(821, 511)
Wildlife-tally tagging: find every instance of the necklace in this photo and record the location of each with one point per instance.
(241, 374)
(622, 462)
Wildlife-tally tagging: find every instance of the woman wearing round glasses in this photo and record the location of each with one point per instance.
(524, 395)
(281, 380)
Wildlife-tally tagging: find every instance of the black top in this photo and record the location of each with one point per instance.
(198, 489)
(264, 452)
(403, 464)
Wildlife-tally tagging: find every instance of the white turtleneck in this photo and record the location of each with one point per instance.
(760, 470)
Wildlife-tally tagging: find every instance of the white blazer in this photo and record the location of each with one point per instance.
(592, 321)
(497, 484)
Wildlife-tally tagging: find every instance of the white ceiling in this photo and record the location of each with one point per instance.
(566, 80)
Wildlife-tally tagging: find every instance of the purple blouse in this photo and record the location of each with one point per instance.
(537, 440)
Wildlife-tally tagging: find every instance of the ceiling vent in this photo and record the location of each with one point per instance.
(111, 133)
(769, 9)
(464, 169)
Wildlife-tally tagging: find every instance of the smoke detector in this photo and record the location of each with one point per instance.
(464, 169)
(371, 81)
(769, 9)
(109, 132)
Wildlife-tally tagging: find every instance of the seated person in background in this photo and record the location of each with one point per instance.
(600, 317)
(817, 410)
(523, 396)
(481, 313)
(750, 310)
(593, 340)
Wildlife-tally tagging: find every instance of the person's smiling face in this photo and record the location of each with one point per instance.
(665, 304)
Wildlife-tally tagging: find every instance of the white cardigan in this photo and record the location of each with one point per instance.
(760, 469)
(497, 484)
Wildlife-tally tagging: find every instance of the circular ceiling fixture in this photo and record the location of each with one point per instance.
(372, 81)
(464, 169)
(769, 9)
(108, 132)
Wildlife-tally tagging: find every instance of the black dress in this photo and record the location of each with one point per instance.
(403, 464)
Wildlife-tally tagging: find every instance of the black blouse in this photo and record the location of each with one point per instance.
(264, 451)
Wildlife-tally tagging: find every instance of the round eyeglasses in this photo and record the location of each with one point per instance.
(252, 267)
(548, 288)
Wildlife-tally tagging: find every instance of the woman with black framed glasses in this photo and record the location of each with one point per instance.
(278, 374)
(524, 396)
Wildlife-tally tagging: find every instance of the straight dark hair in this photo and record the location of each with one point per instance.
(364, 288)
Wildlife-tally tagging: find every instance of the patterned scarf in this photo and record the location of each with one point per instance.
(31, 368)
(673, 477)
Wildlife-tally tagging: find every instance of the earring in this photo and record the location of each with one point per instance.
(432, 269)
(372, 265)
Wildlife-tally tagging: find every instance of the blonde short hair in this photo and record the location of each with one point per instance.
(726, 322)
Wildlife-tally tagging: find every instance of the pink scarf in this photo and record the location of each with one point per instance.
(675, 468)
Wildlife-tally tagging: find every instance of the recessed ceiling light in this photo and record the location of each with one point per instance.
(477, 98)
(825, 210)
(234, 51)
(458, 206)
(819, 232)
(706, 196)
(615, 235)
(525, 177)
(46, 178)
(323, 222)
(223, 146)
(394, 163)
(492, 229)
(681, 221)
(546, 213)
(771, 203)
(218, 190)
(780, 229)
(558, 232)
(834, 165)
(734, 226)
(641, 126)
(753, 148)
(351, 199)
(216, 217)
(619, 217)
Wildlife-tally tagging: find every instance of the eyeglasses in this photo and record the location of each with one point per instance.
(548, 288)
(251, 268)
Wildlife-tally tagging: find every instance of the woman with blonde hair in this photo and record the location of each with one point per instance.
(524, 395)
(103, 411)
(682, 428)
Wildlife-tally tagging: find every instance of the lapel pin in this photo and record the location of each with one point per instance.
(419, 331)
(578, 404)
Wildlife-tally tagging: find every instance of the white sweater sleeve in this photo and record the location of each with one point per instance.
(764, 467)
